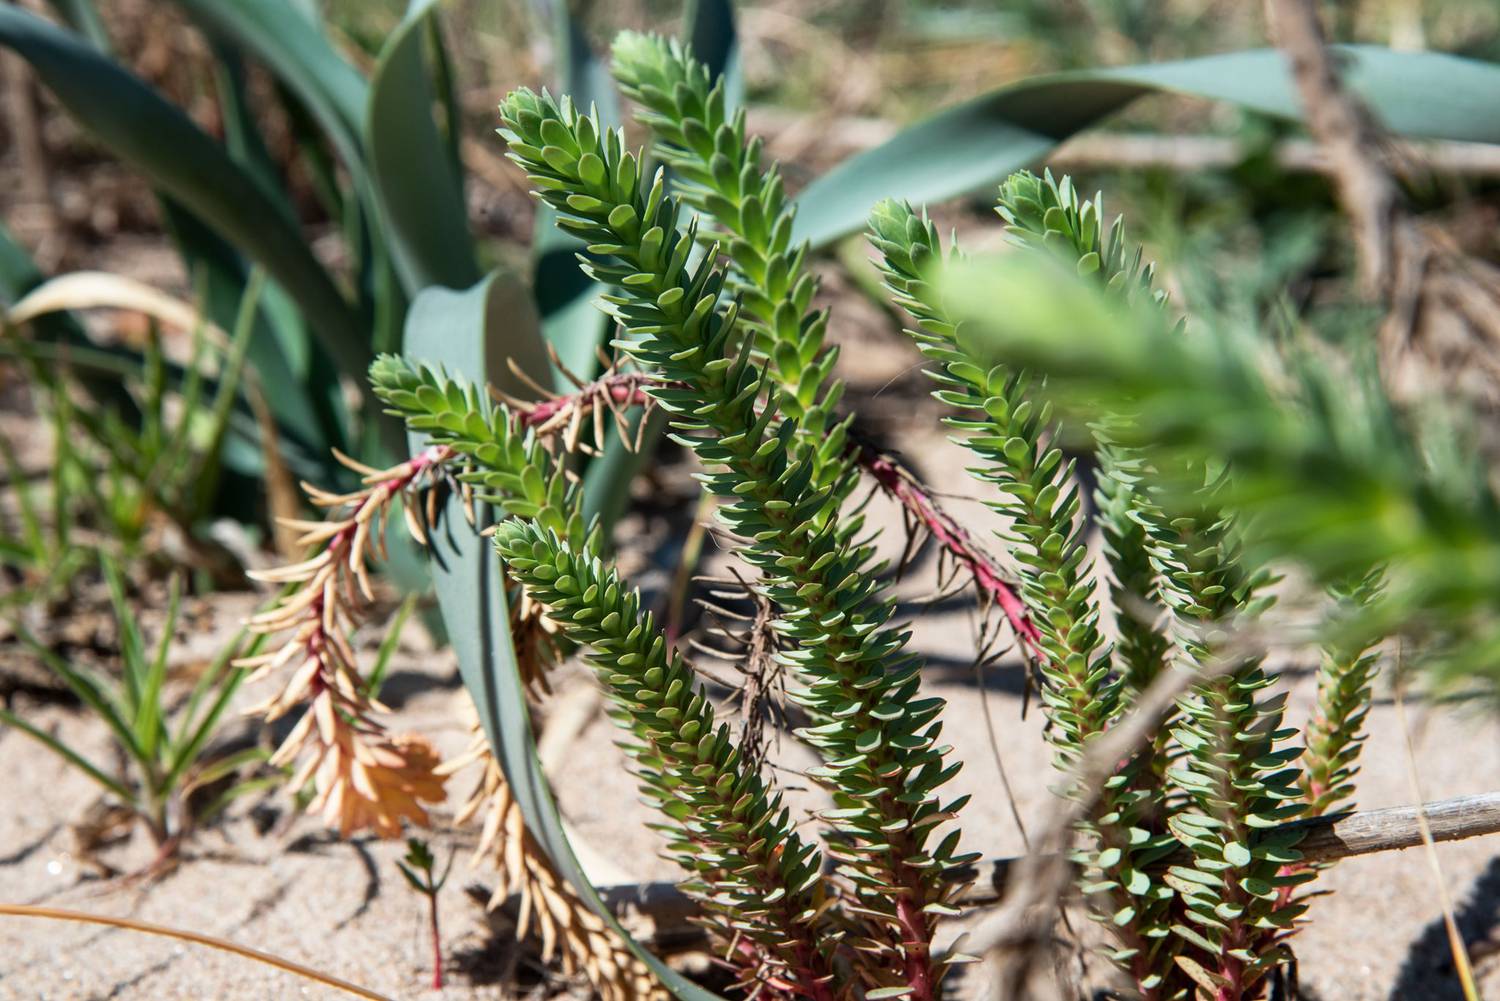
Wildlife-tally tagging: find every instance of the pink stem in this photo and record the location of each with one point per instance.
(895, 480)
(629, 389)
(437, 944)
(917, 948)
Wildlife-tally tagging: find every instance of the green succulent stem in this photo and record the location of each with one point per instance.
(1335, 735)
(1228, 762)
(731, 830)
(1009, 432)
(1234, 769)
(859, 686)
(717, 169)
(1044, 214)
(504, 464)
(510, 467)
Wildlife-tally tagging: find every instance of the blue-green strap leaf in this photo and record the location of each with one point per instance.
(417, 185)
(979, 142)
(450, 329)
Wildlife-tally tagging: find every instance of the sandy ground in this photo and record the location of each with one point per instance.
(279, 883)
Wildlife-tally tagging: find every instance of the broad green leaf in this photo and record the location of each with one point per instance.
(711, 34)
(571, 322)
(280, 350)
(293, 47)
(607, 478)
(83, 17)
(418, 186)
(280, 344)
(497, 314)
(446, 328)
(289, 40)
(979, 142)
(137, 125)
(308, 411)
(242, 135)
(324, 89)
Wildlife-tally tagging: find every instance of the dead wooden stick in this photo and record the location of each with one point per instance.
(1442, 308)
(1104, 150)
(1327, 839)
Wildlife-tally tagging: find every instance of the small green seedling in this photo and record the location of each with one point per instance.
(165, 763)
(419, 859)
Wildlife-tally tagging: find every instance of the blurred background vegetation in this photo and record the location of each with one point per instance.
(364, 178)
(1222, 198)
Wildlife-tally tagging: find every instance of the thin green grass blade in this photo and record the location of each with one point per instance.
(206, 478)
(68, 754)
(65, 455)
(227, 765)
(980, 142)
(388, 644)
(90, 690)
(137, 125)
(282, 350)
(194, 733)
(35, 538)
(133, 663)
(153, 392)
(234, 792)
(191, 391)
(172, 468)
(150, 727)
(16, 553)
(215, 670)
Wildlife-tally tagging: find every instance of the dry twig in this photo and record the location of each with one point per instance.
(1329, 838)
(1442, 308)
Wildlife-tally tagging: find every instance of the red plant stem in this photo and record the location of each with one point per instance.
(916, 947)
(437, 943)
(625, 389)
(337, 545)
(900, 484)
(629, 389)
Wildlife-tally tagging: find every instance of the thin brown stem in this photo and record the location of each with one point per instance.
(212, 941)
(1325, 839)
